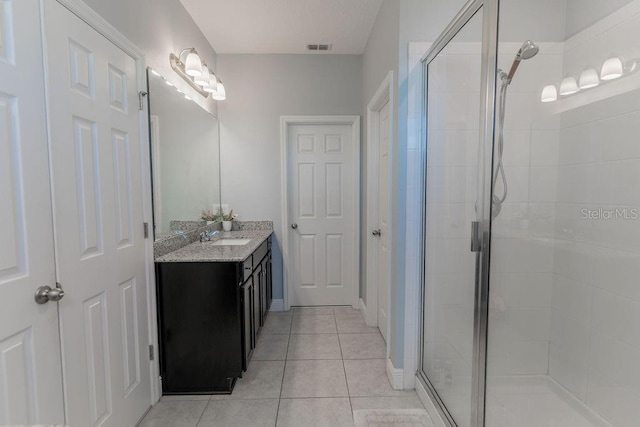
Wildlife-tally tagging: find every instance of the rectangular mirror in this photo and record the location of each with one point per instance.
(185, 153)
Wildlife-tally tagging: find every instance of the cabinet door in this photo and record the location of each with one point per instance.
(256, 302)
(263, 291)
(269, 282)
(247, 330)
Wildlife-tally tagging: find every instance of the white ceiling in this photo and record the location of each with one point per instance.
(284, 26)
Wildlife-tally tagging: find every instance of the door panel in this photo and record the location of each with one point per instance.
(453, 121)
(383, 218)
(321, 203)
(97, 187)
(30, 367)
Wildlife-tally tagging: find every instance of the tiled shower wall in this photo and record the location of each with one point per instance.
(595, 310)
(522, 234)
(565, 291)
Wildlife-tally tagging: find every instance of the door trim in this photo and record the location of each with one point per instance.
(104, 28)
(285, 122)
(383, 95)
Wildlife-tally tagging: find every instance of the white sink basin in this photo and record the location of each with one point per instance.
(231, 242)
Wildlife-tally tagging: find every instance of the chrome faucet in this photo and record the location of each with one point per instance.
(206, 236)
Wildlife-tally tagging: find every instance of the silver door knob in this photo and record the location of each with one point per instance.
(377, 233)
(44, 294)
(294, 226)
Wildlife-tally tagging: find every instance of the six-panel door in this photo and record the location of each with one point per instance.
(321, 207)
(97, 197)
(30, 371)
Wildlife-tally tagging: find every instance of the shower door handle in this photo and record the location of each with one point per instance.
(475, 236)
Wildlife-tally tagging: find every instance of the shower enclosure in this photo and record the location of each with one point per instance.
(531, 296)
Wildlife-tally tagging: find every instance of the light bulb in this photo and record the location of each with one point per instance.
(589, 78)
(221, 93)
(213, 84)
(549, 94)
(568, 86)
(193, 64)
(611, 69)
(203, 79)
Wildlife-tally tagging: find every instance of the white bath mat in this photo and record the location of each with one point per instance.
(392, 418)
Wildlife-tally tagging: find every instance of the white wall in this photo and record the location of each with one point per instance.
(260, 89)
(380, 56)
(159, 27)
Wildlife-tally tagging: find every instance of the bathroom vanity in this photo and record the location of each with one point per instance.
(213, 298)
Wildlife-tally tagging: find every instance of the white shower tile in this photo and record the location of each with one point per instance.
(617, 316)
(615, 360)
(574, 260)
(617, 403)
(618, 272)
(572, 298)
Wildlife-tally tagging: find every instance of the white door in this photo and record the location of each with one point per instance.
(322, 205)
(97, 198)
(383, 221)
(30, 371)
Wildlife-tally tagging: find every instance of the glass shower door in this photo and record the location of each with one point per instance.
(453, 77)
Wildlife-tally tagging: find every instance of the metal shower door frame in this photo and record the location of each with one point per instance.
(490, 9)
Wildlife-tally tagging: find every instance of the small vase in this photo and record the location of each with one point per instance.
(226, 225)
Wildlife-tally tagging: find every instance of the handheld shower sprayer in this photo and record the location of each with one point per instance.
(527, 51)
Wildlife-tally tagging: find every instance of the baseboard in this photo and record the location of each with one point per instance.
(396, 376)
(363, 308)
(429, 405)
(277, 305)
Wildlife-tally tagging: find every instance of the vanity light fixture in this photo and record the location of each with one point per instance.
(612, 69)
(549, 94)
(212, 87)
(568, 86)
(220, 94)
(203, 79)
(196, 72)
(193, 63)
(589, 78)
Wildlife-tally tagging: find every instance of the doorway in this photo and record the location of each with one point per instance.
(380, 134)
(320, 193)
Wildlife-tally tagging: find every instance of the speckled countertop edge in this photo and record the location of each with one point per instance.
(207, 252)
(170, 244)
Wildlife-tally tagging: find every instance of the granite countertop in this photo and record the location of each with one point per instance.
(207, 252)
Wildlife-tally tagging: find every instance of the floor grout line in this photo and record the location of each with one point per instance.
(344, 369)
(284, 369)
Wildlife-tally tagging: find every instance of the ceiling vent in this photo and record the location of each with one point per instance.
(318, 47)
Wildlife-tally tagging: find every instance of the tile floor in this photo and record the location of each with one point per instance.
(311, 367)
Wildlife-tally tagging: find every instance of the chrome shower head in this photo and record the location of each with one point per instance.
(527, 51)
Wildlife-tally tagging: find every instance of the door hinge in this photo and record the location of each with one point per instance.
(151, 354)
(146, 230)
(141, 96)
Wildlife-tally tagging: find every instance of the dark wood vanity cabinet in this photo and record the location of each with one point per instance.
(209, 317)
(257, 296)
